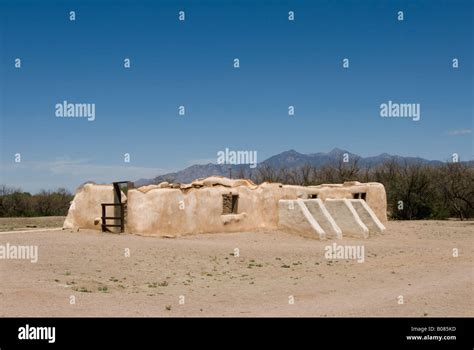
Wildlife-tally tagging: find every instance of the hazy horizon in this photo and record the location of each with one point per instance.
(109, 179)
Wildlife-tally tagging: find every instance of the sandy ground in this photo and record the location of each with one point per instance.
(413, 259)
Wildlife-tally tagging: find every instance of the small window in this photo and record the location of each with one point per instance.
(312, 196)
(359, 195)
(230, 203)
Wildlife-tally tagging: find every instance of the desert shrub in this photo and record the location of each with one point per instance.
(14, 202)
(456, 181)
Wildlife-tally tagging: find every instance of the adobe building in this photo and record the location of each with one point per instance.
(218, 204)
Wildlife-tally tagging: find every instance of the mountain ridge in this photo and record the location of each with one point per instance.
(290, 159)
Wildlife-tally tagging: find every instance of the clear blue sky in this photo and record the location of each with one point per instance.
(191, 63)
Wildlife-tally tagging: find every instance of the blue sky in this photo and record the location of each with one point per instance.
(190, 63)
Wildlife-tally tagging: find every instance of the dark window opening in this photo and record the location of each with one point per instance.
(230, 203)
(360, 195)
(312, 196)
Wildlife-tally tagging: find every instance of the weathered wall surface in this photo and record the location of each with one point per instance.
(294, 217)
(320, 213)
(174, 212)
(367, 216)
(173, 209)
(376, 197)
(86, 208)
(332, 218)
(347, 218)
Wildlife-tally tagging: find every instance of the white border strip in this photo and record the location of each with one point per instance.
(27, 231)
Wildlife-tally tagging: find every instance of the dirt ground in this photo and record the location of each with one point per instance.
(200, 276)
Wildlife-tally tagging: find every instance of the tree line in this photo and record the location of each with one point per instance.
(414, 191)
(16, 203)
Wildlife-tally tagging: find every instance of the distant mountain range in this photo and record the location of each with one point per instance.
(289, 159)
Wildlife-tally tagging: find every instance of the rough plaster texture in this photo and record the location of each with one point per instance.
(183, 209)
(294, 217)
(367, 216)
(347, 218)
(319, 211)
(85, 210)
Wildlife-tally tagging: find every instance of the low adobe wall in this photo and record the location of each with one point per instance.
(376, 197)
(85, 209)
(198, 207)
